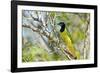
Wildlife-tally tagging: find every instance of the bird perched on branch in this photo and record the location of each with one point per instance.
(70, 49)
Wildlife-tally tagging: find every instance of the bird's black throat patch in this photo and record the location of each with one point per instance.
(62, 27)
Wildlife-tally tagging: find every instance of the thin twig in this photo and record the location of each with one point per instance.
(36, 19)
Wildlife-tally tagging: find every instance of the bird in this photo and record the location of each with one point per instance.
(70, 49)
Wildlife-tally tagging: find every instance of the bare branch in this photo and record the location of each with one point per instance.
(43, 33)
(27, 26)
(36, 19)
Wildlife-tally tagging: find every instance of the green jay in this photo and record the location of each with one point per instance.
(70, 49)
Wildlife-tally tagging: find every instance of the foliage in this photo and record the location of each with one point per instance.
(35, 53)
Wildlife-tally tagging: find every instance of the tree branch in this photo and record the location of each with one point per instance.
(36, 19)
(27, 26)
